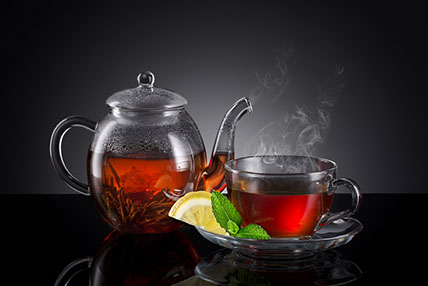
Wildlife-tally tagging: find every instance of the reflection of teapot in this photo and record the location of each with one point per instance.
(129, 259)
(146, 153)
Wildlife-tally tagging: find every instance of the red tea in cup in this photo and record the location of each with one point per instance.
(289, 196)
(282, 215)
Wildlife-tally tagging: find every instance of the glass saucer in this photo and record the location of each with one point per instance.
(331, 236)
(325, 268)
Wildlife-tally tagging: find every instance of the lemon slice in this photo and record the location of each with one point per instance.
(195, 209)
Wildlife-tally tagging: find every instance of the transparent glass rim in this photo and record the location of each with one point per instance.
(121, 110)
(229, 168)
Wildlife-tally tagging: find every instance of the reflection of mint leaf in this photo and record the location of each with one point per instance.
(232, 228)
(246, 277)
(253, 231)
(224, 210)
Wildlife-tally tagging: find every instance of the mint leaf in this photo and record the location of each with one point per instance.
(224, 210)
(253, 231)
(232, 228)
(229, 218)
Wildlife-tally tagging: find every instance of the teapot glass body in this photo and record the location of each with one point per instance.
(139, 164)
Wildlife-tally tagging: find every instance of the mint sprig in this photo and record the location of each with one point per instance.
(224, 210)
(232, 228)
(229, 218)
(253, 231)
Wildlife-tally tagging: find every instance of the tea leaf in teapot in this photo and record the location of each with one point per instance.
(116, 176)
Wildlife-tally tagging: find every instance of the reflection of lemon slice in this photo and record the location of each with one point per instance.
(195, 209)
(164, 182)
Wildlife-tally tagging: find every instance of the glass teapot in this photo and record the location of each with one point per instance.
(146, 153)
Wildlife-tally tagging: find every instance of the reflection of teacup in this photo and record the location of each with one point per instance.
(289, 196)
(224, 267)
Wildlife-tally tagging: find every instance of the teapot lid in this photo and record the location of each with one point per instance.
(146, 97)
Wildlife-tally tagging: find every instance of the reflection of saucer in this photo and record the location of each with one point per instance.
(331, 236)
(325, 268)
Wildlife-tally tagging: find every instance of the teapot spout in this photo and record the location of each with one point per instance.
(212, 177)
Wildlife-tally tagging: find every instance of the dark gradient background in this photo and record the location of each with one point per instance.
(64, 58)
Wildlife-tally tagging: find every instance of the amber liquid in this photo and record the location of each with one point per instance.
(136, 194)
(282, 215)
(213, 177)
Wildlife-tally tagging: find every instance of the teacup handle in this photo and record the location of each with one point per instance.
(356, 201)
(56, 151)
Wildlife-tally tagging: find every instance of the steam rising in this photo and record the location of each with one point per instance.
(274, 84)
(298, 132)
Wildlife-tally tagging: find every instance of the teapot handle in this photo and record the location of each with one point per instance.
(72, 269)
(55, 150)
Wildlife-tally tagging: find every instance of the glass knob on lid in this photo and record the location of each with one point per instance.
(146, 97)
(146, 79)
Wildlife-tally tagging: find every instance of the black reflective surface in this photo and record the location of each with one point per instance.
(42, 234)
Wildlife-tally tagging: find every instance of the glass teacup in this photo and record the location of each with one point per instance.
(289, 196)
